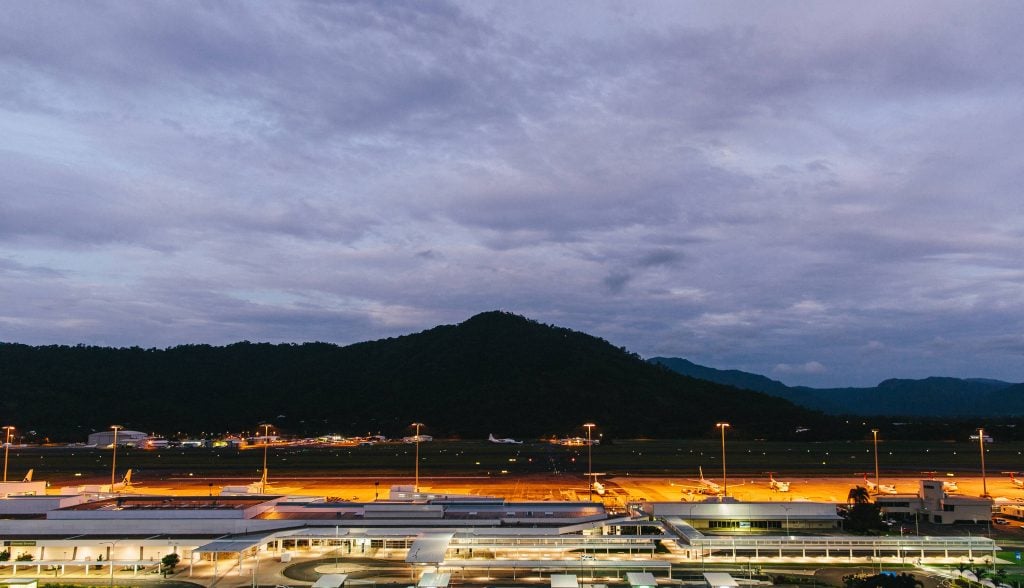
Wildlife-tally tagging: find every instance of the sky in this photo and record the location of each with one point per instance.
(825, 193)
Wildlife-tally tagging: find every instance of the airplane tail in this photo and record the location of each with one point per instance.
(490, 437)
(127, 481)
(28, 476)
(700, 470)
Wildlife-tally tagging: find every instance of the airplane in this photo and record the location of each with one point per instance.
(28, 476)
(492, 439)
(776, 485)
(704, 485)
(879, 488)
(597, 487)
(125, 482)
(1016, 482)
(123, 485)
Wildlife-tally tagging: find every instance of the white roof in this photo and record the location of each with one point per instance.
(429, 548)
(330, 581)
(641, 579)
(716, 579)
(564, 581)
(432, 580)
(228, 546)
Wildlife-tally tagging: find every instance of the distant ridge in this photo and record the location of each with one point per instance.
(928, 397)
(495, 371)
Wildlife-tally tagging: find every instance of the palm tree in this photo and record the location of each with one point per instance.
(858, 495)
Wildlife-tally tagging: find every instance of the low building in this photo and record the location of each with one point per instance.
(728, 515)
(124, 437)
(934, 505)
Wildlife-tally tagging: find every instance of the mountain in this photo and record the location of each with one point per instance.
(494, 372)
(929, 397)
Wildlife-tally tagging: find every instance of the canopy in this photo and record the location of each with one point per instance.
(330, 581)
(429, 548)
(719, 579)
(432, 580)
(564, 581)
(231, 546)
(638, 579)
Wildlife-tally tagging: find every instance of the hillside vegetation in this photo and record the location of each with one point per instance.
(935, 397)
(495, 372)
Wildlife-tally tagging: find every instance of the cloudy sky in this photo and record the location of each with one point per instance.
(826, 193)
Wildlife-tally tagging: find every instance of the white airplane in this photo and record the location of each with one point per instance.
(879, 488)
(1016, 482)
(776, 485)
(492, 439)
(597, 487)
(704, 485)
(125, 482)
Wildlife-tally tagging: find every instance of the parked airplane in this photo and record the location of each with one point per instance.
(704, 485)
(1016, 482)
(492, 439)
(596, 486)
(776, 484)
(125, 482)
(879, 488)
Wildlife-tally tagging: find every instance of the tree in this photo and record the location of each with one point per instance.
(862, 516)
(858, 495)
(169, 561)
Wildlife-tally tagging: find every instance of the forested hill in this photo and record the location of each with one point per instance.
(495, 372)
(928, 397)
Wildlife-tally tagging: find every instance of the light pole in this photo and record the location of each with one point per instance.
(266, 446)
(7, 447)
(590, 469)
(874, 433)
(416, 484)
(113, 461)
(110, 558)
(981, 445)
(725, 480)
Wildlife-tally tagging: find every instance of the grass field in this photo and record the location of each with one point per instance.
(638, 457)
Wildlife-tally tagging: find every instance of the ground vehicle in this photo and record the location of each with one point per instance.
(1000, 521)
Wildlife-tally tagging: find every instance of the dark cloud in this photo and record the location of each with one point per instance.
(827, 192)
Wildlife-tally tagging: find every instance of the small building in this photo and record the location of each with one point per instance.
(934, 505)
(124, 437)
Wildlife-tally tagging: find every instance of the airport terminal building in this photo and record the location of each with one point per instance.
(79, 534)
